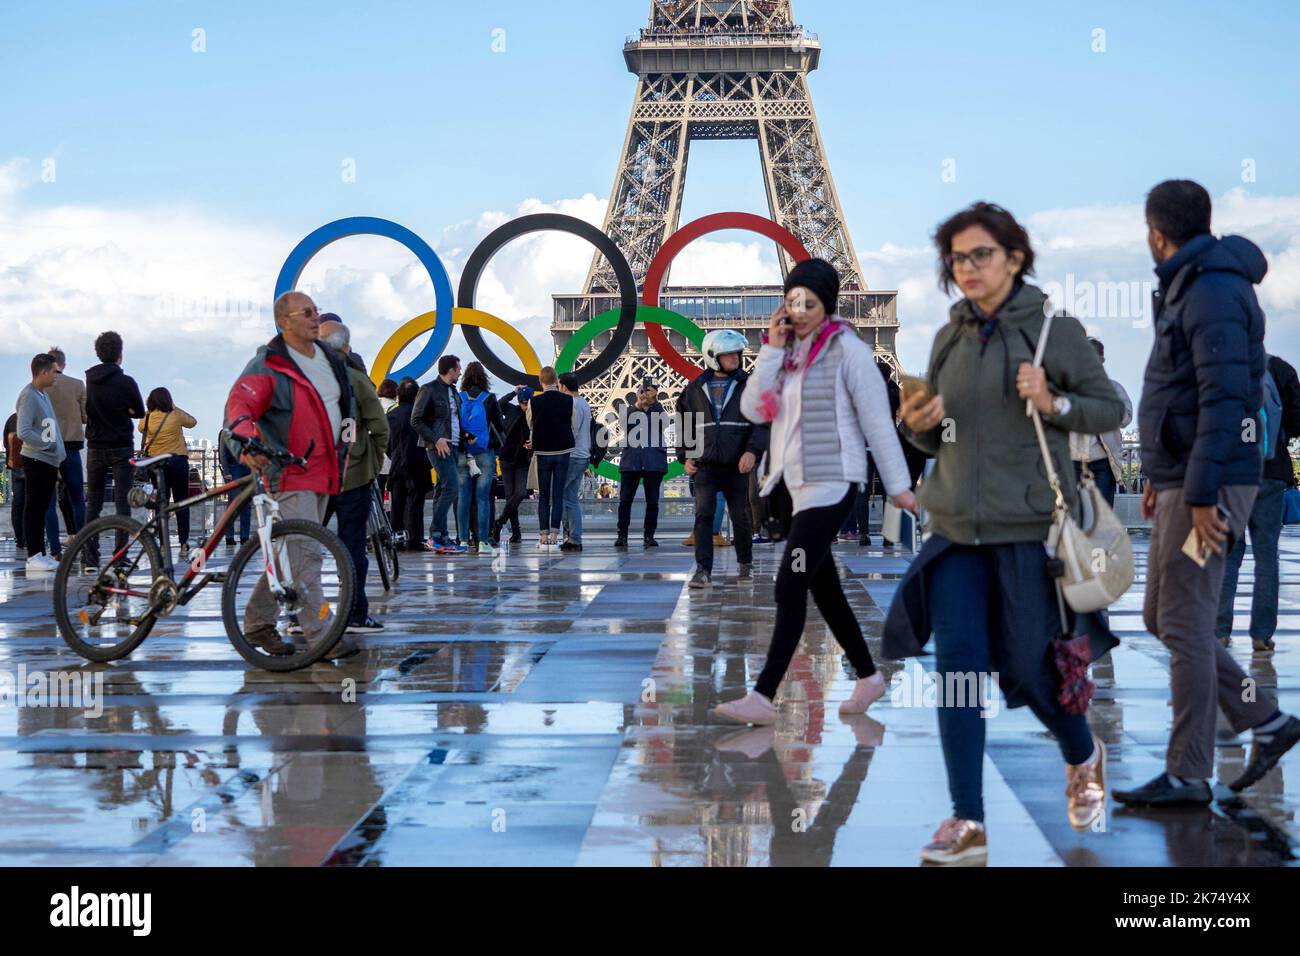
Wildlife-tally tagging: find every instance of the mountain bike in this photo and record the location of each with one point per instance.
(285, 597)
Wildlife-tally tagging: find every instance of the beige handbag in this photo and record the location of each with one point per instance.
(1097, 563)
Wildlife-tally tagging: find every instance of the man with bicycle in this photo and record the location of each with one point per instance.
(366, 447)
(295, 396)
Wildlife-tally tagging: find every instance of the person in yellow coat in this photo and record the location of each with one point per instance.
(163, 433)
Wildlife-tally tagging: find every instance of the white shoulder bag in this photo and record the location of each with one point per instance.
(1098, 562)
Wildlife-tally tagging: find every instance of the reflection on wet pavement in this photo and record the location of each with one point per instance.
(549, 709)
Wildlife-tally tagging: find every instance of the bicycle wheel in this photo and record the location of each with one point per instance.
(385, 559)
(104, 614)
(300, 627)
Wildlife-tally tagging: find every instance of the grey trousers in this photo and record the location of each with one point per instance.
(1182, 602)
(305, 560)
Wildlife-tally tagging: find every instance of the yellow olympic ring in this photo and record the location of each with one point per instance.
(425, 322)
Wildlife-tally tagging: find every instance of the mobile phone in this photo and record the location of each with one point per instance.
(911, 384)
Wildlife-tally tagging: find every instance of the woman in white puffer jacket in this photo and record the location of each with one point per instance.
(816, 382)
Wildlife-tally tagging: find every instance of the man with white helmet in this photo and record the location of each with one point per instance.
(719, 447)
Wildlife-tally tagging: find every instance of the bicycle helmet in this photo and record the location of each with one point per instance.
(718, 343)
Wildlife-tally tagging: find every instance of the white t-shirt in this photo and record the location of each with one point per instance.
(321, 375)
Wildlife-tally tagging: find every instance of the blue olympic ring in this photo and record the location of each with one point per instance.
(372, 226)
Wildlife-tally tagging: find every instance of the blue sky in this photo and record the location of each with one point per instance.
(217, 162)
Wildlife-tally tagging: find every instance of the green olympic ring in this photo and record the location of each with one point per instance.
(568, 357)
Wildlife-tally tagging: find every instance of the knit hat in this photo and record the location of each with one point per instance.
(820, 278)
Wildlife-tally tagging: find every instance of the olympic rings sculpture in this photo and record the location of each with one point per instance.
(472, 321)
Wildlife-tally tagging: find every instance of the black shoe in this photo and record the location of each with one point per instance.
(571, 546)
(745, 572)
(651, 543)
(369, 624)
(700, 579)
(1264, 757)
(1159, 792)
(621, 541)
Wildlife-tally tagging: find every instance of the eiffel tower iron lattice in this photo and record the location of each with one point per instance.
(718, 69)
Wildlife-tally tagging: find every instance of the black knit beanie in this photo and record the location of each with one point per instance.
(819, 277)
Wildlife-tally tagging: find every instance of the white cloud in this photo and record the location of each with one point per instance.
(191, 291)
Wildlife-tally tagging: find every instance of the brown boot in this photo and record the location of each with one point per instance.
(266, 637)
(689, 541)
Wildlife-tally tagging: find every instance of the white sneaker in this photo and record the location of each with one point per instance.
(486, 549)
(41, 564)
(753, 708)
(866, 692)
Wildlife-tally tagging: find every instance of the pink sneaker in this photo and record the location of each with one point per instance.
(866, 692)
(753, 708)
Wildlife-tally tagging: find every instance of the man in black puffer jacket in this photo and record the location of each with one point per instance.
(719, 447)
(1201, 453)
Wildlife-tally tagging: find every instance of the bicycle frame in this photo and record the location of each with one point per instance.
(196, 578)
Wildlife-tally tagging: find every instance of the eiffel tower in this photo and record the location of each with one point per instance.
(718, 69)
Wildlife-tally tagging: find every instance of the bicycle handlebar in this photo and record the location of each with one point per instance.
(252, 445)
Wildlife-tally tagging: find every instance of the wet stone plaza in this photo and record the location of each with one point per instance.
(551, 709)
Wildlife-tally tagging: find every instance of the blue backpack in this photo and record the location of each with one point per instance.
(1270, 414)
(473, 422)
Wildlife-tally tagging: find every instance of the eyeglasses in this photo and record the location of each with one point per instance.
(307, 312)
(978, 257)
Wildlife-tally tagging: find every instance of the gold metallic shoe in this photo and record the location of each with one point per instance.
(1085, 788)
(957, 842)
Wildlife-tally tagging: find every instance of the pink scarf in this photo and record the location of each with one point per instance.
(799, 354)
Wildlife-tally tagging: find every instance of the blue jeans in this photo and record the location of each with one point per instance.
(487, 466)
(74, 486)
(966, 603)
(572, 507)
(552, 470)
(1265, 527)
(446, 493)
(719, 513)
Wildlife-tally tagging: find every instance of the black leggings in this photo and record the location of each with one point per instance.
(807, 565)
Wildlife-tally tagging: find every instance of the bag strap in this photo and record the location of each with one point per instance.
(1032, 412)
(148, 442)
(1059, 508)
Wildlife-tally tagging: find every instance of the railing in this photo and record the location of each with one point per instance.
(700, 38)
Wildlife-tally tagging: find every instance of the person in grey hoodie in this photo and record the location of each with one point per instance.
(43, 453)
(982, 576)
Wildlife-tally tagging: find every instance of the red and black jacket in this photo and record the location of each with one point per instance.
(279, 405)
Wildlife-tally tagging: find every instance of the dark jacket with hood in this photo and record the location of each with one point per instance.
(1204, 378)
(404, 450)
(517, 432)
(112, 400)
(644, 446)
(720, 440)
(1288, 385)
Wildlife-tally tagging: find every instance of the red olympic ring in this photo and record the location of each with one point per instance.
(675, 243)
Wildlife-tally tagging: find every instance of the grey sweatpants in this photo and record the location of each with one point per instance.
(305, 561)
(1182, 602)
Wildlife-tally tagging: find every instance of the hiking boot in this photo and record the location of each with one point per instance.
(720, 541)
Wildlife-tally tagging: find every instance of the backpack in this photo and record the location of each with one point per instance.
(1271, 415)
(474, 423)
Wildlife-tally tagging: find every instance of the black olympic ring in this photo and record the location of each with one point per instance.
(560, 223)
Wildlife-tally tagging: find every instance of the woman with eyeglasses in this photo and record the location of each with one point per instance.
(981, 581)
(816, 383)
